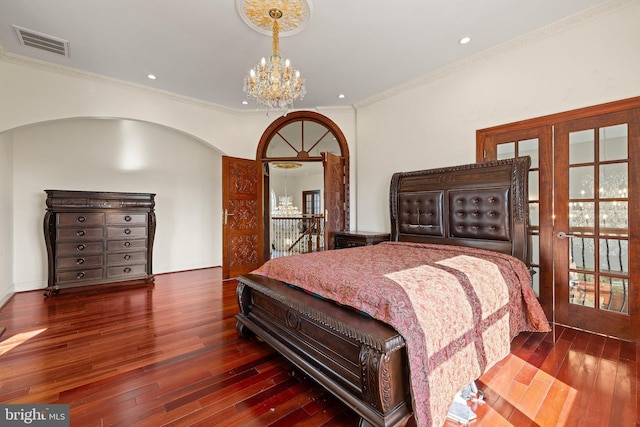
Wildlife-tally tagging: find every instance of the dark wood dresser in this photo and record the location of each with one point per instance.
(98, 238)
(350, 239)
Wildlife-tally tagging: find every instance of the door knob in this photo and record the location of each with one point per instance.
(563, 235)
(226, 216)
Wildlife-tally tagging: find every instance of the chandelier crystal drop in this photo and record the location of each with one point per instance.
(274, 83)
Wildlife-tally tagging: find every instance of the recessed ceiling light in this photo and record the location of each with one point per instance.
(464, 40)
(341, 96)
(245, 102)
(151, 76)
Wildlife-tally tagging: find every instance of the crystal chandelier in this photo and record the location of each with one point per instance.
(274, 83)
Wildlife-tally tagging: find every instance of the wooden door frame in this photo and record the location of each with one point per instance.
(261, 155)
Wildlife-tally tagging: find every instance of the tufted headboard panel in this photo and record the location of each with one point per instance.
(482, 205)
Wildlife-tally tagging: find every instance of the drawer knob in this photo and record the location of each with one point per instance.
(80, 275)
(127, 218)
(81, 219)
(127, 270)
(127, 256)
(80, 233)
(127, 231)
(81, 247)
(80, 261)
(127, 244)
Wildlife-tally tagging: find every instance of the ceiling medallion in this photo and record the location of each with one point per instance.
(296, 14)
(275, 83)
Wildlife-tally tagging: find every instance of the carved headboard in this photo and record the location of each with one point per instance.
(480, 205)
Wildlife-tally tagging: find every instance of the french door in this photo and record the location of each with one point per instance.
(536, 143)
(596, 223)
(584, 212)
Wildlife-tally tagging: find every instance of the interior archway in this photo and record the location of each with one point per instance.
(299, 137)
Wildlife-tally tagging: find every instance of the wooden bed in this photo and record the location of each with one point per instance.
(364, 361)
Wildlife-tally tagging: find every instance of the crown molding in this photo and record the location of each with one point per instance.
(529, 38)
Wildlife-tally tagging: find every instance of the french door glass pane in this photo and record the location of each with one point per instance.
(582, 289)
(536, 280)
(614, 293)
(506, 150)
(613, 143)
(581, 182)
(581, 215)
(614, 256)
(581, 253)
(533, 185)
(581, 147)
(535, 249)
(534, 214)
(614, 219)
(529, 147)
(614, 181)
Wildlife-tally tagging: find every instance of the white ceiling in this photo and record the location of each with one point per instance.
(202, 49)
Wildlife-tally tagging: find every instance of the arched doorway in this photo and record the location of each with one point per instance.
(301, 144)
(303, 137)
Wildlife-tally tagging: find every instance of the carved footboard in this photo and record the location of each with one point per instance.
(360, 360)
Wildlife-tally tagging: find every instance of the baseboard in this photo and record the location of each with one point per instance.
(6, 295)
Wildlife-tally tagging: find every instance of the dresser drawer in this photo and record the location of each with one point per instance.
(86, 219)
(120, 245)
(74, 248)
(126, 218)
(126, 258)
(119, 232)
(127, 271)
(79, 276)
(79, 262)
(78, 233)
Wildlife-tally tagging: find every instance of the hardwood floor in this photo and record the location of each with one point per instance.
(170, 356)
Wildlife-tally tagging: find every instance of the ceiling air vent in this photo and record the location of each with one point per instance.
(42, 41)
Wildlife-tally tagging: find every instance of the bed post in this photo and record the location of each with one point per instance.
(519, 200)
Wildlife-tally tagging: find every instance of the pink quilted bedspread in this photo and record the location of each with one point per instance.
(457, 308)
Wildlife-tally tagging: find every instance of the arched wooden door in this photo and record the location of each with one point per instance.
(300, 136)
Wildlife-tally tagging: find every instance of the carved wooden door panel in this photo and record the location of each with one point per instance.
(241, 216)
(334, 197)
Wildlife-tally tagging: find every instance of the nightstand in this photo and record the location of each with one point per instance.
(350, 239)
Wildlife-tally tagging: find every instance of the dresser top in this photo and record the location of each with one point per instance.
(98, 199)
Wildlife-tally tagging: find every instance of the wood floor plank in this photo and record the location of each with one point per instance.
(170, 356)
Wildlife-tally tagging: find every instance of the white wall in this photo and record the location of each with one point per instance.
(587, 60)
(6, 218)
(118, 155)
